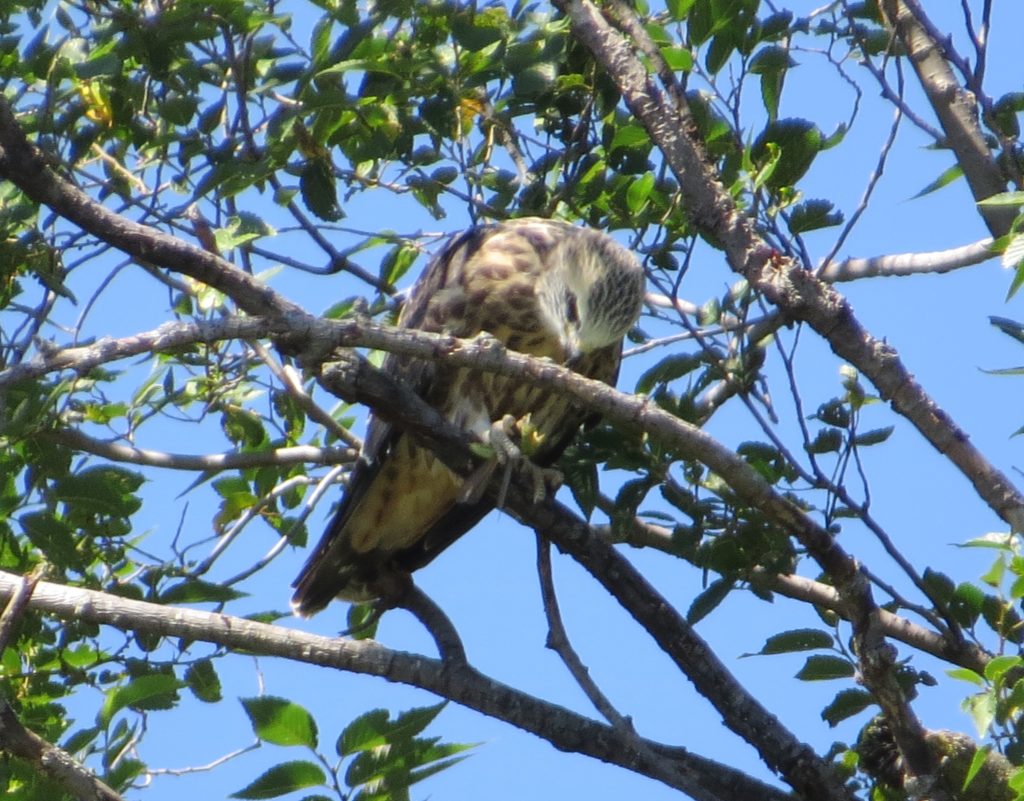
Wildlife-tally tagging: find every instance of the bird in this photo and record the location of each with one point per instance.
(545, 288)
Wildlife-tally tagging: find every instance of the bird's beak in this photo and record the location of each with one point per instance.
(573, 352)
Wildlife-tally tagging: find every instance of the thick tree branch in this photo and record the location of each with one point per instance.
(797, 293)
(954, 106)
(23, 165)
(482, 354)
(642, 534)
(813, 778)
(564, 729)
(902, 264)
(669, 123)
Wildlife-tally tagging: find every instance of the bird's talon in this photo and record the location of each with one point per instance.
(545, 480)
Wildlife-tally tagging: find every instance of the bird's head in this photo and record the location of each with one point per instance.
(594, 293)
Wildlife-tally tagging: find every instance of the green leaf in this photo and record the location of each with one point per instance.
(708, 600)
(812, 215)
(982, 709)
(967, 603)
(362, 621)
(977, 761)
(241, 228)
(365, 732)
(581, 476)
(678, 9)
(101, 490)
(827, 440)
(947, 177)
(796, 640)
(771, 63)
(846, 704)
(638, 192)
(202, 679)
(535, 80)
(153, 691)
(799, 142)
(679, 59)
(1013, 256)
(1003, 199)
(1005, 111)
(282, 779)
(939, 585)
(280, 721)
(630, 136)
(319, 191)
(194, 591)
(413, 721)
(476, 29)
(875, 436)
(667, 370)
(82, 655)
(374, 728)
(823, 667)
(966, 674)
(396, 263)
(51, 536)
(998, 665)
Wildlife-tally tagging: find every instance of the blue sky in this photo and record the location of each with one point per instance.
(487, 581)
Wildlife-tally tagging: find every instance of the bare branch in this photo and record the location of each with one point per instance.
(297, 454)
(168, 336)
(642, 534)
(558, 641)
(903, 264)
(421, 606)
(17, 604)
(953, 105)
(566, 730)
(293, 386)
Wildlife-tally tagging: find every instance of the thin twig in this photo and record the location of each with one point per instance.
(558, 641)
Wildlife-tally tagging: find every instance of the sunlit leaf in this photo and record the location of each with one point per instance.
(282, 779)
(280, 721)
(153, 691)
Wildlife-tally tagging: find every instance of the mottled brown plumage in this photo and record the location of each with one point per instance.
(541, 287)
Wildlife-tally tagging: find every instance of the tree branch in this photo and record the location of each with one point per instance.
(354, 378)
(566, 730)
(50, 760)
(23, 165)
(23, 743)
(902, 264)
(953, 105)
(558, 641)
(796, 292)
(116, 452)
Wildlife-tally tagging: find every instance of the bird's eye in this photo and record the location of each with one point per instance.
(572, 312)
